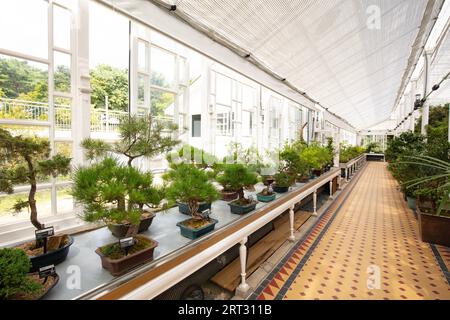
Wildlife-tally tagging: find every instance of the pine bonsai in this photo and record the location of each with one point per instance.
(292, 163)
(283, 179)
(114, 193)
(140, 137)
(25, 160)
(235, 177)
(189, 185)
(14, 267)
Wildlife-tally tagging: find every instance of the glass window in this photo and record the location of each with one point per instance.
(141, 89)
(225, 122)
(61, 27)
(24, 26)
(23, 89)
(223, 90)
(62, 71)
(162, 103)
(63, 117)
(64, 199)
(182, 71)
(162, 68)
(248, 97)
(142, 55)
(247, 123)
(108, 58)
(196, 125)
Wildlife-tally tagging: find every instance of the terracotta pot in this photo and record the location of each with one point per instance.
(121, 230)
(120, 266)
(434, 229)
(229, 195)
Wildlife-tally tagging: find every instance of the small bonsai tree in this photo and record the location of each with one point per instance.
(282, 179)
(235, 177)
(14, 267)
(190, 185)
(25, 160)
(316, 156)
(291, 162)
(140, 137)
(114, 193)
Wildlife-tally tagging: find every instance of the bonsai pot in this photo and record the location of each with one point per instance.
(229, 195)
(183, 207)
(280, 189)
(121, 230)
(47, 287)
(303, 179)
(121, 265)
(194, 233)
(268, 180)
(242, 209)
(53, 257)
(265, 198)
(434, 229)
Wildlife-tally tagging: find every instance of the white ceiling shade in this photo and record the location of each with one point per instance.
(325, 48)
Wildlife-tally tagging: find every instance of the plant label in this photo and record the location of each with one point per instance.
(47, 271)
(126, 242)
(44, 233)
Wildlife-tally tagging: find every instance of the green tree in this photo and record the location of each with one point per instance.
(109, 81)
(62, 79)
(23, 160)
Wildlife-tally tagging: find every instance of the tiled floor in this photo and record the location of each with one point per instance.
(366, 246)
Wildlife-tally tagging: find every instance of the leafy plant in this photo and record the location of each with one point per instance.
(140, 137)
(114, 193)
(316, 156)
(373, 147)
(291, 161)
(348, 152)
(235, 177)
(282, 179)
(14, 267)
(188, 184)
(25, 160)
(193, 156)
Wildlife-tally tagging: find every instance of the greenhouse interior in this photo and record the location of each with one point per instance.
(224, 150)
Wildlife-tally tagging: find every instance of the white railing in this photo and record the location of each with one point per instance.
(102, 120)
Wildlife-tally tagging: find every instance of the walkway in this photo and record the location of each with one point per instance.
(369, 238)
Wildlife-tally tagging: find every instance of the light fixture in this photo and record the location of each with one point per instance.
(418, 103)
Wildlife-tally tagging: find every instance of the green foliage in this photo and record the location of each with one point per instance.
(347, 152)
(235, 177)
(189, 185)
(292, 162)
(407, 143)
(316, 156)
(109, 81)
(113, 193)
(14, 266)
(140, 137)
(24, 160)
(282, 179)
(373, 147)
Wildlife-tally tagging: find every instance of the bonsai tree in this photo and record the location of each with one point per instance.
(25, 160)
(235, 177)
(316, 156)
(291, 161)
(139, 137)
(188, 184)
(14, 267)
(282, 179)
(114, 193)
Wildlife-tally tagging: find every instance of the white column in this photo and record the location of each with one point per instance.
(411, 107)
(243, 288)
(291, 222)
(331, 188)
(315, 203)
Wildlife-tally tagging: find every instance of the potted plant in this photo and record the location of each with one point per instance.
(282, 182)
(235, 177)
(266, 195)
(115, 194)
(16, 283)
(316, 158)
(292, 163)
(433, 202)
(25, 160)
(140, 137)
(191, 186)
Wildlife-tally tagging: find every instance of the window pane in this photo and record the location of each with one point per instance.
(141, 90)
(64, 200)
(163, 68)
(182, 71)
(23, 89)
(248, 97)
(142, 55)
(61, 27)
(223, 90)
(108, 58)
(62, 71)
(24, 25)
(162, 103)
(247, 123)
(196, 125)
(63, 117)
